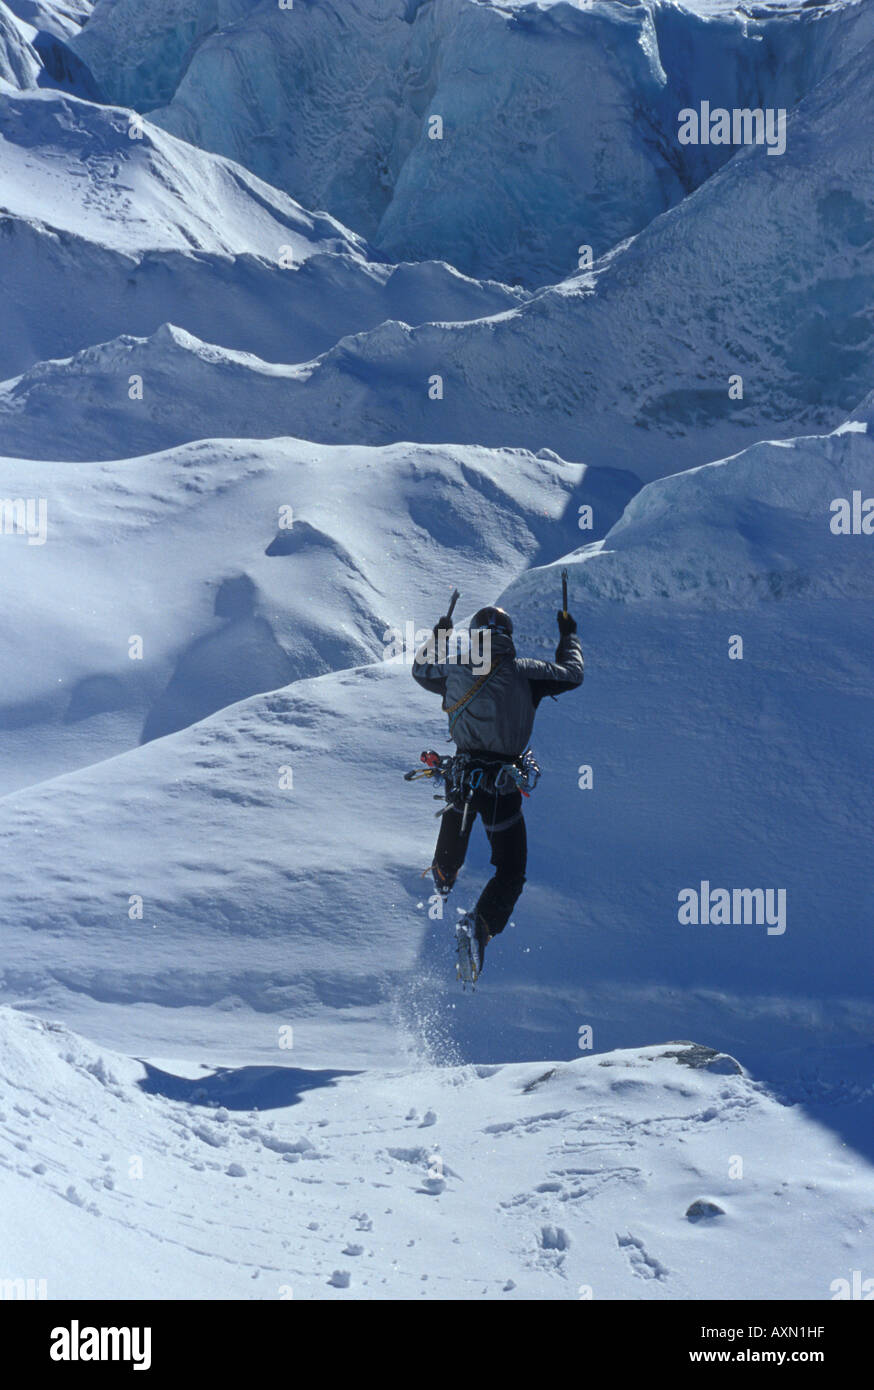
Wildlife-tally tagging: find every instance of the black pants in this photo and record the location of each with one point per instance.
(503, 823)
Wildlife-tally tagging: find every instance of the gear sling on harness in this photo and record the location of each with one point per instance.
(467, 773)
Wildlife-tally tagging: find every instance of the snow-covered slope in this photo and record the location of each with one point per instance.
(754, 526)
(554, 1181)
(243, 566)
(34, 51)
(59, 17)
(559, 120)
(762, 274)
(240, 451)
(300, 903)
(135, 395)
(105, 175)
(19, 63)
(531, 107)
(102, 234)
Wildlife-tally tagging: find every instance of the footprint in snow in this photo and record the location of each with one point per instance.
(554, 1238)
(644, 1265)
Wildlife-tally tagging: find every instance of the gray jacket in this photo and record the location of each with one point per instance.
(500, 716)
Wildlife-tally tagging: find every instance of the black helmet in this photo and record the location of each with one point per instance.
(494, 618)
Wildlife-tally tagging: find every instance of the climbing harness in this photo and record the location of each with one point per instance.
(463, 774)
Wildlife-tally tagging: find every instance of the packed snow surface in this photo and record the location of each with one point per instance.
(245, 566)
(653, 1173)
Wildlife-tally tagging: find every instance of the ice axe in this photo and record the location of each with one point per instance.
(564, 593)
(444, 624)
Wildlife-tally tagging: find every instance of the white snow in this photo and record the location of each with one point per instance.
(245, 566)
(234, 1062)
(102, 234)
(761, 274)
(569, 1180)
(559, 120)
(19, 64)
(249, 877)
(93, 172)
(60, 17)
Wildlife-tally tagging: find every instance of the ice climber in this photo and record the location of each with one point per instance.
(491, 704)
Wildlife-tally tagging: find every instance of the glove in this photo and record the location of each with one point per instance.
(566, 624)
(443, 625)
